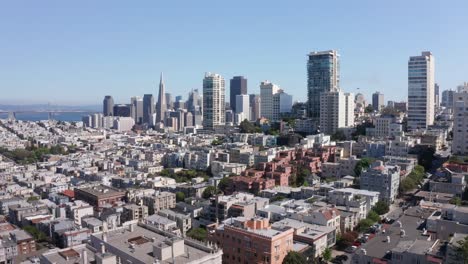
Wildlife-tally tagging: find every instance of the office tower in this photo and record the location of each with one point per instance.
(137, 103)
(460, 123)
(238, 85)
(447, 98)
(179, 105)
(336, 111)
(148, 108)
(123, 123)
(323, 75)
(378, 101)
(436, 95)
(359, 104)
(198, 119)
(123, 110)
(213, 100)
(349, 109)
(229, 116)
(273, 101)
(169, 101)
(179, 116)
(87, 121)
(267, 90)
(243, 106)
(255, 103)
(161, 106)
(108, 106)
(188, 119)
(193, 102)
(178, 98)
(463, 87)
(421, 91)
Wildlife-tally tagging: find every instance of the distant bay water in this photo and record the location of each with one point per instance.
(38, 116)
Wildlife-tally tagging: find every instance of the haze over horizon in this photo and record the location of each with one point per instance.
(75, 53)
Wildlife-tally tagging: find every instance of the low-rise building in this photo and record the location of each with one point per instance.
(252, 241)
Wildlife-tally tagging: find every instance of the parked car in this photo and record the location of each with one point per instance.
(351, 249)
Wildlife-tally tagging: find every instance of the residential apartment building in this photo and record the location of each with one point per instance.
(252, 241)
(460, 123)
(159, 201)
(323, 75)
(213, 100)
(381, 178)
(273, 101)
(421, 111)
(336, 111)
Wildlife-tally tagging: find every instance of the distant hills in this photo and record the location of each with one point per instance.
(47, 107)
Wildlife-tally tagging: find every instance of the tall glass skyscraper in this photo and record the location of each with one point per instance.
(238, 86)
(108, 106)
(148, 108)
(323, 75)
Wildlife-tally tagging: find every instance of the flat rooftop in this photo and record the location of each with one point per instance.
(102, 191)
(411, 221)
(122, 239)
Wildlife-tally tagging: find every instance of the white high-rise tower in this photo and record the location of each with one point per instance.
(421, 91)
(214, 110)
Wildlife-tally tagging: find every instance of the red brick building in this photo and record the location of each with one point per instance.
(99, 196)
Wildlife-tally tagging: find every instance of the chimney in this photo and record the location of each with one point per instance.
(132, 228)
(103, 248)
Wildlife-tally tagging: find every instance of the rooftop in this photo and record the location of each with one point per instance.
(102, 191)
(122, 240)
(411, 223)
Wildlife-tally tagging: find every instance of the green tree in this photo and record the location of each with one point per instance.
(456, 201)
(209, 192)
(407, 184)
(364, 224)
(277, 198)
(345, 240)
(180, 196)
(294, 257)
(372, 215)
(327, 254)
(224, 184)
(461, 250)
(38, 235)
(198, 234)
(33, 198)
(381, 208)
(247, 127)
(364, 163)
(339, 135)
(369, 109)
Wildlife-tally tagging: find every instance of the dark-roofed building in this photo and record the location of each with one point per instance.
(100, 196)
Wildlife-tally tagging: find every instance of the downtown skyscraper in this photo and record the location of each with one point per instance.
(148, 108)
(213, 100)
(421, 91)
(238, 86)
(108, 106)
(161, 105)
(323, 75)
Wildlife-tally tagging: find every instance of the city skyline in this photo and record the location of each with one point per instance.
(124, 59)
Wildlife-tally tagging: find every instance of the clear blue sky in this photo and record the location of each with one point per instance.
(77, 52)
